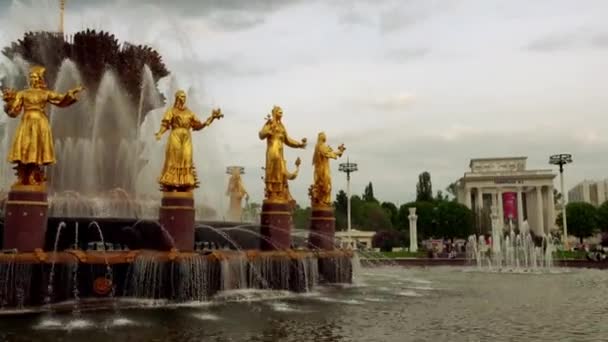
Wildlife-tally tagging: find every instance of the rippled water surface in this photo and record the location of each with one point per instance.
(388, 304)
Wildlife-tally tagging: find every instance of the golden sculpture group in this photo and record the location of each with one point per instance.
(32, 147)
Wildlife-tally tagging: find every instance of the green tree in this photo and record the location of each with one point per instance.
(368, 194)
(341, 201)
(373, 217)
(392, 212)
(452, 189)
(424, 188)
(602, 217)
(426, 218)
(340, 205)
(301, 217)
(386, 240)
(440, 197)
(454, 220)
(557, 197)
(356, 212)
(582, 219)
(252, 211)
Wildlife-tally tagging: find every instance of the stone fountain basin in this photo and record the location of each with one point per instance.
(89, 280)
(126, 257)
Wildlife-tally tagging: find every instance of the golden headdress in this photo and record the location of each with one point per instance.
(37, 70)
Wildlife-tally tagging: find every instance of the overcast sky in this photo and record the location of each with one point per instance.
(407, 85)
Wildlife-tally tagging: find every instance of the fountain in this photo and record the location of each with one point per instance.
(137, 244)
(521, 252)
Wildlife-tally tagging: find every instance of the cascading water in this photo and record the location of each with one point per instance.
(512, 252)
(99, 137)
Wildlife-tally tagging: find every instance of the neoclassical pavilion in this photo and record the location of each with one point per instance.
(518, 194)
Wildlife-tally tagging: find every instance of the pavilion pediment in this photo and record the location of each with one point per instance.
(491, 165)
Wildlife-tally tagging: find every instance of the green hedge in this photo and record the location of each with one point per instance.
(404, 254)
(569, 255)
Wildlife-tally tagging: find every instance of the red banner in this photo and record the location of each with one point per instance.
(509, 205)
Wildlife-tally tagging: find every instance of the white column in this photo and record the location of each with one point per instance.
(479, 199)
(520, 209)
(348, 227)
(564, 202)
(550, 209)
(495, 229)
(467, 200)
(501, 213)
(413, 230)
(539, 210)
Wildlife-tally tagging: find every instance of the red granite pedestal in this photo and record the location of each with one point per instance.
(276, 226)
(176, 215)
(25, 218)
(322, 229)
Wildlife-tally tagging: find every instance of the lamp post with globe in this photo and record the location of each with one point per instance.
(348, 168)
(561, 160)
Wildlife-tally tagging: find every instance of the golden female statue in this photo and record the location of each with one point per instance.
(276, 170)
(178, 172)
(236, 191)
(320, 191)
(32, 147)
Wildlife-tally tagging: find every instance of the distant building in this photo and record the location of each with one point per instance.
(355, 238)
(594, 192)
(518, 194)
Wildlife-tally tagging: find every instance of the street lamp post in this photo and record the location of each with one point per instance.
(561, 160)
(349, 168)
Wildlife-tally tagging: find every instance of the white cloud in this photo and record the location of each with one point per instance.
(394, 102)
(347, 68)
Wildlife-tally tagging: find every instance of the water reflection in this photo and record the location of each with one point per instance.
(393, 304)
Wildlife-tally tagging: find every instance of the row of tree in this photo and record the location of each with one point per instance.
(584, 219)
(439, 216)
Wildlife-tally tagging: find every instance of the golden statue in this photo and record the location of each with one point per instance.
(276, 176)
(178, 171)
(320, 191)
(32, 147)
(236, 191)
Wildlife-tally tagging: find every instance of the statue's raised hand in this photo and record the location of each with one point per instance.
(74, 92)
(217, 113)
(8, 94)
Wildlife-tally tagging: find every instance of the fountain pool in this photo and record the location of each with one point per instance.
(387, 304)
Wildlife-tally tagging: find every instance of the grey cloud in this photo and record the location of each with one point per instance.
(393, 158)
(569, 40)
(229, 15)
(395, 19)
(210, 7)
(227, 67)
(600, 40)
(236, 21)
(389, 15)
(553, 42)
(406, 54)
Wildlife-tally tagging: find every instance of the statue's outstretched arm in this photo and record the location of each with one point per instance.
(64, 100)
(165, 124)
(13, 102)
(329, 153)
(265, 131)
(197, 125)
(294, 143)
